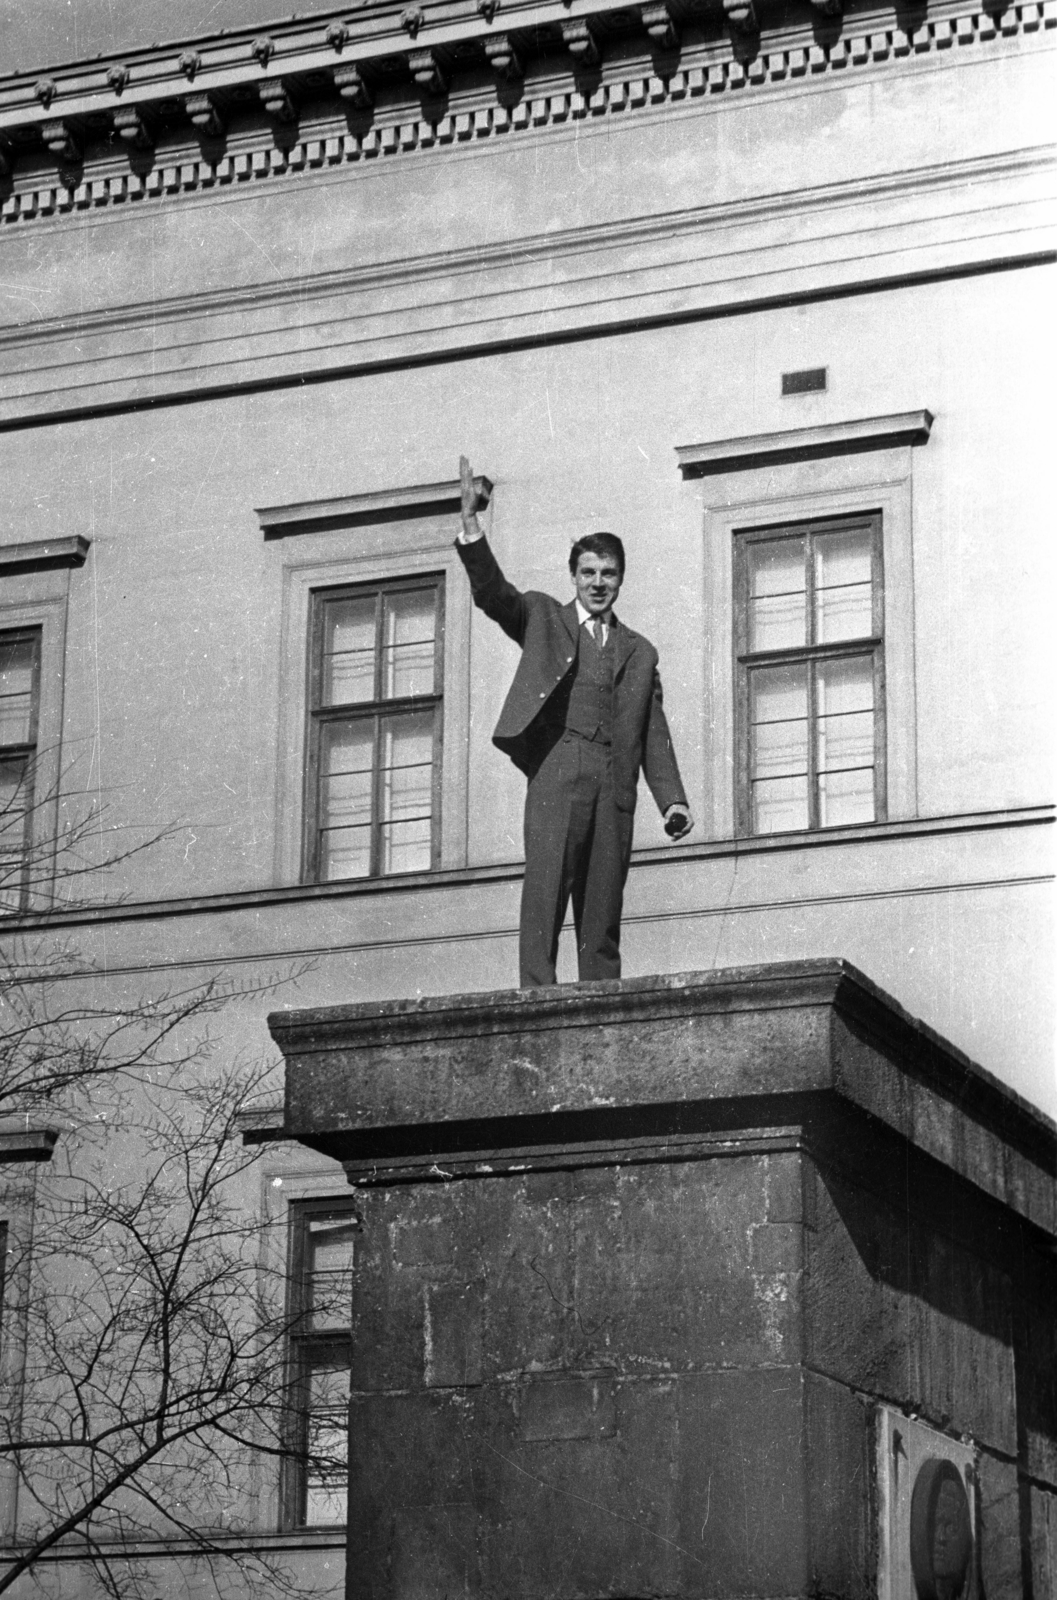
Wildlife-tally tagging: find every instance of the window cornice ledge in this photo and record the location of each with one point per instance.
(804, 444)
(21, 1141)
(386, 505)
(42, 554)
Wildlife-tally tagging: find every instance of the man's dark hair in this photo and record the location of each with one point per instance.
(598, 544)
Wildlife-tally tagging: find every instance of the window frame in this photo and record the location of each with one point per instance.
(406, 547)
(318, 716)
(747, 495)
(810, 652)
(304, 1350)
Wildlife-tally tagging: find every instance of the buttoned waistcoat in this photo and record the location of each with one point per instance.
(549, 635)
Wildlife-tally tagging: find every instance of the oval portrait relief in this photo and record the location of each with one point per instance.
(941, 1536)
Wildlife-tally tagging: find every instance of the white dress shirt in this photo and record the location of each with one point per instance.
(585, 616)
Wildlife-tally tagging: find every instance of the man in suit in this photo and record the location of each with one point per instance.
(582, 717)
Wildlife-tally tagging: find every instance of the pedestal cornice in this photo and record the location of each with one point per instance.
(798, 1044)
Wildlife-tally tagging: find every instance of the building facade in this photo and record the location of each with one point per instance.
(763, 288)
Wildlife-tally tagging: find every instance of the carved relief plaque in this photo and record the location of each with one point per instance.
(926, 1505)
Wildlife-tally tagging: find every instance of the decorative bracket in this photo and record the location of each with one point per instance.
(130, 125)
(487, 9)
(350, 84)
(202, 110)
(411, 19)
(581, 45)
(61, 140)
(337, 36)
(118, 78)
(276, 100)
(45, 90)
(503, 57)
(657, 20)
(426, 71)
(262, 49)
(190, 62)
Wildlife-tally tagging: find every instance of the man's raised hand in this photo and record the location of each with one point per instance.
(471, 528)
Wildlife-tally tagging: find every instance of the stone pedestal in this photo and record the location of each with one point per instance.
(650, 1273)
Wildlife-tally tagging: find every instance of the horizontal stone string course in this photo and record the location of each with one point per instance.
(415, 133)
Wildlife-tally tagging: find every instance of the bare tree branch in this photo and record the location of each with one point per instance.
(150, 1296)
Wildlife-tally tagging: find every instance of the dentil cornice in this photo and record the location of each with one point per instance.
(245, 104)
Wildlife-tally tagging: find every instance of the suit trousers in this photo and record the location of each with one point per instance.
(576, 843)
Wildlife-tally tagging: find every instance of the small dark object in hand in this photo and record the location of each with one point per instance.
(676, 824)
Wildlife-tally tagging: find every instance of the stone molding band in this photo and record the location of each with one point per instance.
(399, 132)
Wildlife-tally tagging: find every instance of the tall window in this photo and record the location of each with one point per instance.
(810, 657)
(375, 729)
(316, 1487)
(19, 703)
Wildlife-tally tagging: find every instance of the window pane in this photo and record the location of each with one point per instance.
(327, 1443)
(846, 797)
(779, 748)
(779, 805)
(13, 792)
(845, 741)
(777, 594)
(14, 802)
(348, 650)
(345, 789)
(778, 715)
(407, 846)
(331, 1248)
(407, 792)
(843, 586)
(344, 853)
(18, 659)
(408, 643)
(778, 759)
(844, 692)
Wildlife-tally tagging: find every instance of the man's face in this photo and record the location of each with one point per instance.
(597, 582)
(952, 1536)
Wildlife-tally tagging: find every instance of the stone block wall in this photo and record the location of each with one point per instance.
(631, 1328)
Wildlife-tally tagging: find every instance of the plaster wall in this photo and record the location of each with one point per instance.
(174, 685)
(174, 625)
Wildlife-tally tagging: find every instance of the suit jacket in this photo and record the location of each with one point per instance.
(549, 635)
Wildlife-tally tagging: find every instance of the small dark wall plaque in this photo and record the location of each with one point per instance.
(810, 381)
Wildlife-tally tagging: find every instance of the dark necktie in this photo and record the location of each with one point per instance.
(596, 629)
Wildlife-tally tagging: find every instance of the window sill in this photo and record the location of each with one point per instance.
(512, 871)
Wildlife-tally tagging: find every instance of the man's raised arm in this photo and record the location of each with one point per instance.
(496, 597)
(471, 528)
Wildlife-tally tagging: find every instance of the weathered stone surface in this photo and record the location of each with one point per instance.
(910, 1314)
(644, 1268)
(649, 1486)
(678, 1052)
(1039, 1512)
(1001, 1564)
(638, 1264)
